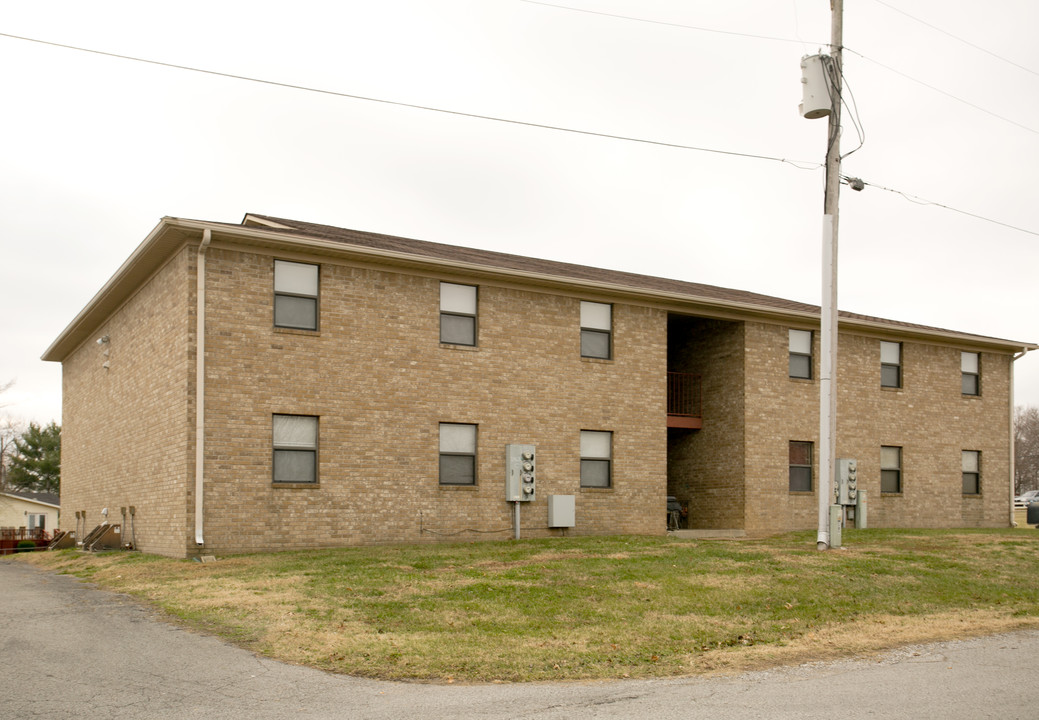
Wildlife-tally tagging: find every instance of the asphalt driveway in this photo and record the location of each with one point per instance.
(71, 651)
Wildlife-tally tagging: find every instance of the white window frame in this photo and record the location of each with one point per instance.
(458, 441)
(795, 337)
(970, 463)
(294, 286)
(596, 325)
(891, 361)
(596, 452)
(459, 308)
(970, 372)
(288, 441)
(891, 470)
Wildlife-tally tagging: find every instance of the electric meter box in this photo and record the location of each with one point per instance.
(847, 481)
(520, 473)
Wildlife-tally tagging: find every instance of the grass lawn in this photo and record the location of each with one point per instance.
(590, 607)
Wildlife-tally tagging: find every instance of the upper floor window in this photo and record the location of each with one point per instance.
(596, 329)
(971, 472)
(295, 448)
(596, 459)
(457, 314)
(970, 370)
(457, 454)
(890, 364)
(295, 295)
(801, 354)
(890, 469)
(800, 466)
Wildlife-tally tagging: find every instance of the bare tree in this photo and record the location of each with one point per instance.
(10, 430)
(1026, 449)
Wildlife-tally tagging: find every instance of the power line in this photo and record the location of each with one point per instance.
(780, 39)
(672, 24)
(943, 92)
(922, 201)
(811, 165)
(957, 37)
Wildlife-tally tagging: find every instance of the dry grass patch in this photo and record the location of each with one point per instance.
(591, 607)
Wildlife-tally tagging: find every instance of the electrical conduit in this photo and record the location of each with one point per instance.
(200, 381)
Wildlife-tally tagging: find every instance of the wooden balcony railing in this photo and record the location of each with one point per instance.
(683, 401)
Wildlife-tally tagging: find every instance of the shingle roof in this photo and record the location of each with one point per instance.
(553, 268)
(46, 498)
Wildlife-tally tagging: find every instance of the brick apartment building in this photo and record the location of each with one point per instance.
(356, 388)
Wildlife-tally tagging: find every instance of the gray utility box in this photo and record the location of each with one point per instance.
(561, 511)
(521, 470)
(1032, 514)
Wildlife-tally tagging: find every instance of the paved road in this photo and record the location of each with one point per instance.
(68, 650)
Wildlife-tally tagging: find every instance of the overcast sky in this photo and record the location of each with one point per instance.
(97, 149)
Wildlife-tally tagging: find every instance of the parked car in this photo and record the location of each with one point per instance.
(1024, 499)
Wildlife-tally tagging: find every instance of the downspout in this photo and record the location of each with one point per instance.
(1013, 469)
(200, 381)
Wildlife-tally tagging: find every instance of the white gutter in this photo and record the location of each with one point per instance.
(200, 381)
(1013, 469)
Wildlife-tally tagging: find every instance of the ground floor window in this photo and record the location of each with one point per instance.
(457, 454)
(890, 469)
(295, 448)
(596, 459)
(971, 472)
(800, 466)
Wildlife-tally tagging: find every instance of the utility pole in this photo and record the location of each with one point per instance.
(828, 318)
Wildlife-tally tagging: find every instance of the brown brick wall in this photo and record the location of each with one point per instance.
(378, 378)
(125, 429)
(933, 423)
(929, 418)
(380, 381)
(705, 467)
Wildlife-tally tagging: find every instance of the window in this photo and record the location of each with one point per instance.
(295, 449)
(801, 354)
(890, 469)
(37, 522)
(800, 466)
(295, 295)
(596, 330)
(457, 454)
(457, 314)
(970, 367)
(890, 364)
(596, 454)
(971, 472)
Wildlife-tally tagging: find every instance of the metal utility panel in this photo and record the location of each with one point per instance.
(561, 511)
(860, 509)
(847, 481)
(836, 522)
(520, 469)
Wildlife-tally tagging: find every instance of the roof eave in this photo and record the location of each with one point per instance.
(171, 233)
(144, 260)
